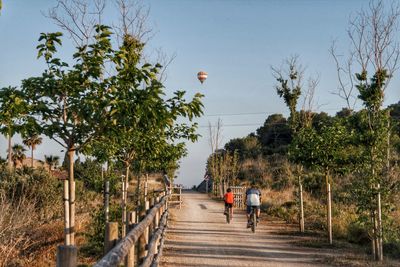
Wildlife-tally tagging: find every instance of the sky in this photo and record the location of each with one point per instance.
(235, 41)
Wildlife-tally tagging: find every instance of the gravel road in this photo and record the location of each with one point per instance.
(198, 235)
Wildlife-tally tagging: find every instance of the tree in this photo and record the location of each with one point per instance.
(321, 149)
(289, 88)
(69, 104)
(32, 141)
(13, 109)
(142, 121)
(246, 147)
(214, 140)
(275, 134)
(18, 154)
(52, 161)
(372, 33)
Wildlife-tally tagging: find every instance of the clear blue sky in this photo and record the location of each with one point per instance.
(235, 41)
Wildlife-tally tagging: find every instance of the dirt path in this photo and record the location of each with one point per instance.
(199, 236)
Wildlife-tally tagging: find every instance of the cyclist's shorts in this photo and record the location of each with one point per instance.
(248, 209)
(228, 205)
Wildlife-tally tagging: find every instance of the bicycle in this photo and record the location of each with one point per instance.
(253, 218)
(228, 214)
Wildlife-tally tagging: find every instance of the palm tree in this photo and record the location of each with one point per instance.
(18, 154)
(52, 161)
(32, 142)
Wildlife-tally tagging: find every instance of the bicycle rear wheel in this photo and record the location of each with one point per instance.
(254, 221)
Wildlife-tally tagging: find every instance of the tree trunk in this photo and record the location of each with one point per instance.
(328, 206)
(301, 213)
(10, 163)
(32, 156)
(124, 199)
(71, 155)
(329, 209)
(301, 221)
(379, 226)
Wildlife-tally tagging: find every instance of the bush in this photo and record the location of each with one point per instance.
(95, 233)
(357, 234)
(34, 185)
(27, 197)
(392, 249)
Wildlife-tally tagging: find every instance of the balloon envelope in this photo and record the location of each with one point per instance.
(202, 76)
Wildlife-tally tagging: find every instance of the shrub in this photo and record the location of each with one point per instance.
(27, 197)
(357, 234)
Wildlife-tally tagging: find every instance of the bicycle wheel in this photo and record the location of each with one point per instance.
(254, 221)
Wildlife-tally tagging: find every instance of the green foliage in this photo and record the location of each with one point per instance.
(37, 186)
(319, 149)
(89, 172)
(18, 154)
(274, 135)
(290, 90)
(247, 147)
(13, 111)
(95, 234)
(223, 167)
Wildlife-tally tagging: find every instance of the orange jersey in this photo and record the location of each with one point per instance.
(228, 197)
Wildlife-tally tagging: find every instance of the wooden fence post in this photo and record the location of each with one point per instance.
(329, 206)
(107, 201)
(124, 202)
(379, 226)
(157, 221)
(146, 188)
(130, 258)
(301, 207)
(147, 207)
(67, 230)
(180, 197)
(111, 236)
(67, 256)
(151, 228)
(143, 239)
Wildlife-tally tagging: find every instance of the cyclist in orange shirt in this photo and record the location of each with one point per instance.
(228, 199)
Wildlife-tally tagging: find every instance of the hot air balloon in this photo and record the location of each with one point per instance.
(202, 76)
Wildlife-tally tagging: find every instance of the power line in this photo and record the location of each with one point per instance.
(232, 125)
(254, 113)
(238, 114)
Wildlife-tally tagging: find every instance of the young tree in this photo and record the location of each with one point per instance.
(376, 49)
(322, 149)
(142, 121)
(69, 104)
(215, 139)
(289, 88)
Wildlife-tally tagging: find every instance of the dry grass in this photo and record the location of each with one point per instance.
(23, 241)
(277, 198)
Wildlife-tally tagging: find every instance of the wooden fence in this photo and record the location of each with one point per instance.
(176, 195)
(142, 246)
(239, 194)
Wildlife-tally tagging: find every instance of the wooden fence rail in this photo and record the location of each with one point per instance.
(117, 255)
(153, 244)
(176, 195)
